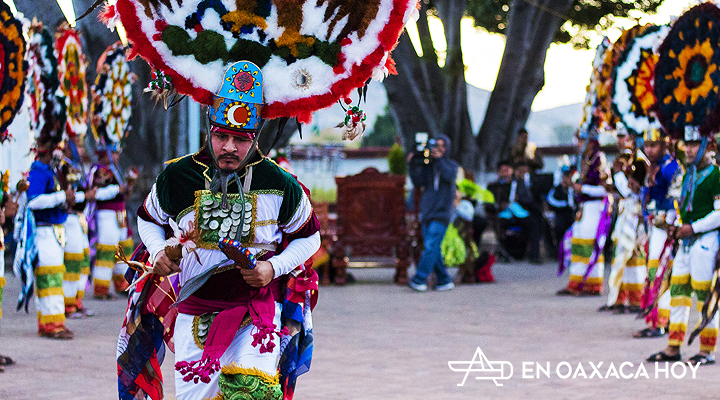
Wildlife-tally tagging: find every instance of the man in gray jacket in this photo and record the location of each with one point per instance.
(436, 179)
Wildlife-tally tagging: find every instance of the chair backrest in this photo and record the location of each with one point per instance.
(371, 211)
(323, 215)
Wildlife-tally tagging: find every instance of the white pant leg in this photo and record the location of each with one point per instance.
(583, 243)
(240, 352)
(109, 234)
(49, 298)
(73, 257)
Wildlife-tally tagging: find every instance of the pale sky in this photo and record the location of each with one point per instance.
(567, 71)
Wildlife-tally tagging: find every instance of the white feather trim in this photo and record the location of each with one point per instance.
(283, 88)
(647, 42)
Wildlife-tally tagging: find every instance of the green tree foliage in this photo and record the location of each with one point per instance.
(396, 160)
(383, 132)
(583, 17)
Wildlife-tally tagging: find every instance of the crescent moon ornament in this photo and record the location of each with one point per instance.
(238, 114)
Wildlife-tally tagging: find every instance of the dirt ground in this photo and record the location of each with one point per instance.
(377, 340)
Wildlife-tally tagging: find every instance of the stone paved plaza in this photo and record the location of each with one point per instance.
(377, 340)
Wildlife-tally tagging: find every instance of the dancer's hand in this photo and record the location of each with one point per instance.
(684, 231)
(259, 276)
(164, 266)
(90, 194)
(70, 197)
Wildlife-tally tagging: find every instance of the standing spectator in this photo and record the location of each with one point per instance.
(436, 179)
(525, 151)
(561, 200)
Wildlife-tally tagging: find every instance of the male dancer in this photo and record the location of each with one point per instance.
(226, 334)
(591, 223)
(112, 226)
(694, 262)
(662, 190)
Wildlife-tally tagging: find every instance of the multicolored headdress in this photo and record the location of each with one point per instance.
(610, 62)
(13, 68)
(311, 53)
(71, 73)
(591, 97)
(4, 184)
(238, 104)
(633, 94)
(687, 77)
(653, 135)
(687, 82)
(110, 108)
(47, 108)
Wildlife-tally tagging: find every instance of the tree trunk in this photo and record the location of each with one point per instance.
(521, 76)
(456, 123)
(427, 98)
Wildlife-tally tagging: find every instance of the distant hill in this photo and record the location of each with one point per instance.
(548, 127)
(554, 126)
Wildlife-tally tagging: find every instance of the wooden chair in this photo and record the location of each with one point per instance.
(327, 233)
(371, 230)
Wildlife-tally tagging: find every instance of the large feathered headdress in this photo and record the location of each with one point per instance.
(47, 109)
(633, 93)
(71, 74)
(312, 53)
(13, 68)
(589, 123)
(687, 77)
(111, 98)
(610, 62)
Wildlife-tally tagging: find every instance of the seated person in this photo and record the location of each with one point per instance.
(561, 200)
(532, 201)
(513, 204)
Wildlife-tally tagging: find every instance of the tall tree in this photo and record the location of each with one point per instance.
(530, 27)
(425, 97)
(430, 98)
